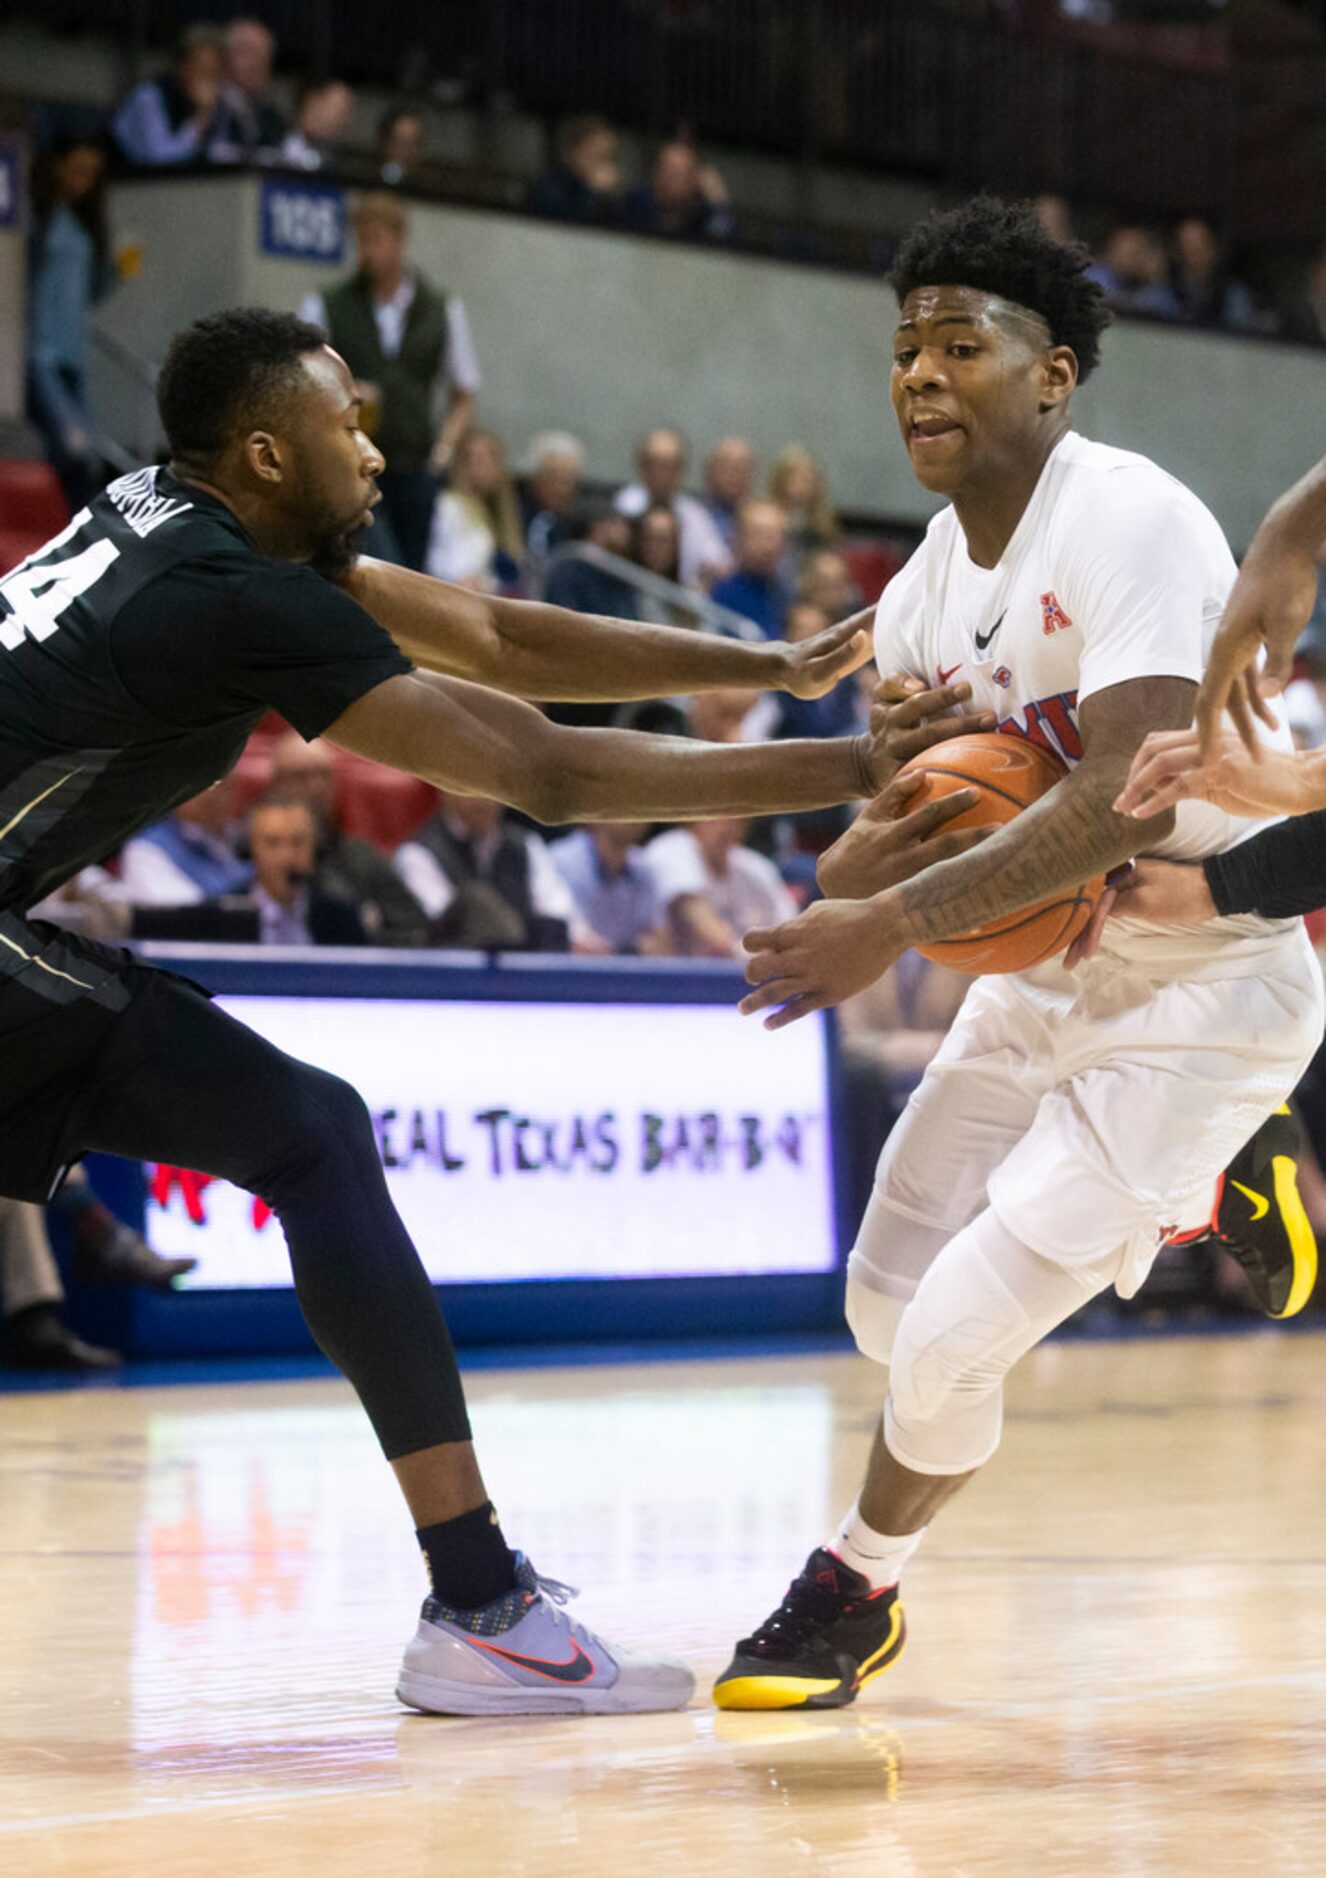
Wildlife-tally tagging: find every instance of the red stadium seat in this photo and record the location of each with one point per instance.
(31, 500)
(873, 565)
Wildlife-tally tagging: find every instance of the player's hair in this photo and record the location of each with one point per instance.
(229, 373)
(1000, 247)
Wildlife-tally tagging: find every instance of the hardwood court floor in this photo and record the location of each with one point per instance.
(1117, 1664)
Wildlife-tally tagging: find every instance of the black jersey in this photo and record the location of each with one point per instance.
(138, 649)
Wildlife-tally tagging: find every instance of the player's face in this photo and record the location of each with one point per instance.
(336, 465)
(969, 385)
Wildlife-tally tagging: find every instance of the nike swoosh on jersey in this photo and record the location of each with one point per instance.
(944, 676)
(982, 643)
(577, 1668)
(1261, 1206)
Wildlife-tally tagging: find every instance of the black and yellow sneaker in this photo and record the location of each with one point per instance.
(829, 1637)
(1259, 1218)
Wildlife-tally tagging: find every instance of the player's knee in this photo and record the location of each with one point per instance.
(325, 1119)
(953, 1350)
(872, 1316)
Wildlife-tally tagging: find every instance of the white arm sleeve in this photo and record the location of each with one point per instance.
(1138, 581)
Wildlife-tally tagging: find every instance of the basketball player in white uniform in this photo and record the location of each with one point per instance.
(1071, 1117)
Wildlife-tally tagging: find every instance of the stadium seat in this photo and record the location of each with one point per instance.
(873, 565)
(31, 500)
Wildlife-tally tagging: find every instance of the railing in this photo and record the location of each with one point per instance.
(921, 90)
(707, 614)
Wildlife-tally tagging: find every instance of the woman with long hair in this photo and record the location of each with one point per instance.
(476, 538)
(70, 270)
(798, 485)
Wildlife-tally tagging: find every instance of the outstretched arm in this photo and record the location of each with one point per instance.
(548, 654)
(472, 741)
(1268, 607)
(1071, 833)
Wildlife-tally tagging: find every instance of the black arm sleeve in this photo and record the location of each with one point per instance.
(1279, 873)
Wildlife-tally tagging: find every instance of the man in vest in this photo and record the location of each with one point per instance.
(409, 346)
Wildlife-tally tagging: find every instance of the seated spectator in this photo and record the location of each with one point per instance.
(1206, 293)
(713, 889)
(613, 885)
(1055, 217)
(656, 546)
(729, 473)
(251, 126)
(839, 713)
(476, 539)
(733, 714)
(661, 466)
(70, 271)
(798, 485)
(346, 867)
(399, 149)
(189, 856)
(684, 198)
(757, 588)
(826, 581)
(585, 183)
(580, 585)
(486, 880)
(173, 119)
(548, 495)
(292, 909)
(1304, 312)
(1133, 272)
(324, 110)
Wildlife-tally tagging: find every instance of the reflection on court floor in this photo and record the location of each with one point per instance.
(1117, 1665)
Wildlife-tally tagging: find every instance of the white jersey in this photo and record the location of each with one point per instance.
(1115, 572)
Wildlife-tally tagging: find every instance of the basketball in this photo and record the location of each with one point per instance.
(1010, 773)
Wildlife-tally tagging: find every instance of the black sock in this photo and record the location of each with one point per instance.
(469, 1562)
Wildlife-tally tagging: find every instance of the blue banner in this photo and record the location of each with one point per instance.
(302, 221)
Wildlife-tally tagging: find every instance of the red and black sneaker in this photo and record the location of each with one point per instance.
(829, 1637)
(1260, 1220)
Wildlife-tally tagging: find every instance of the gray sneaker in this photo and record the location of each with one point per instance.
(522, 1655)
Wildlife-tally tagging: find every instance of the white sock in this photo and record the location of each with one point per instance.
(878, 1556)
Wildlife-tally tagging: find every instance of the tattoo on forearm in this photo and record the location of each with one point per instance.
(1058, 842)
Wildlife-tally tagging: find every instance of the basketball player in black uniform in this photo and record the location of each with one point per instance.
(137, 651)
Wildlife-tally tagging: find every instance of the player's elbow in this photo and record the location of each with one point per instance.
(545, 785)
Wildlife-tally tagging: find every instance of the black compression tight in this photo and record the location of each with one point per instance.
(179, 1081)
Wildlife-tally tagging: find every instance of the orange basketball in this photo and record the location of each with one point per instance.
(1010, 773)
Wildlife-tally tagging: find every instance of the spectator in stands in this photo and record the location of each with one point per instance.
(70, 271)
(733, 714)
(584, 185)
(548, 496)
(324, 110)
(485, 879)
(826, 581)
(1055, 217)
(1133, 273)
(476, 538)
(293, 910)
(798, 485)
(187, 858)
(729, 474)
(684, 198)
(613, 885)
(1304, 313)
(757, 587)
(839, 712)
(661, 468)
(1207, 294)
(345, 867)
(656, 547)
(582, 586)
(408, 344)
(400, 145)
(251, 126)
(173, 119)
(713, 889)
